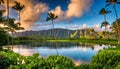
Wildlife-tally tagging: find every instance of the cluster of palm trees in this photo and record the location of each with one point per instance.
(9, 23)
(115, 25)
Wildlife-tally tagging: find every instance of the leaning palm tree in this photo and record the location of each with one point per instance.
(113, 3)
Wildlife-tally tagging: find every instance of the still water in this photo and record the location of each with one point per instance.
(78, 52)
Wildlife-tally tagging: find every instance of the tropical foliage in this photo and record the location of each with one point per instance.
(113, 3)
(3, 37)
(105, 59)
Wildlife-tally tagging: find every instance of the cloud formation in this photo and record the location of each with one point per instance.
(31, 13)
(76, 8)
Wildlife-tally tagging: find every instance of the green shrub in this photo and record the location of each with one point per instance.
(107, 59)
(89, 66)
(59, 62)
(4, 62)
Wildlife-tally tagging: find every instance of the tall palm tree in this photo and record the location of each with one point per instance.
(113, 3)
(52, 17)
(18, 7)
(103, 11)
(105, 23)
(7, 21)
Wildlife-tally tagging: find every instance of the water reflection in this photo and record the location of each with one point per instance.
(79, 52)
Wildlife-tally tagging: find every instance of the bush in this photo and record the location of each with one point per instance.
(4, 62)
(59, 62)
(107, 59)
(89, 66)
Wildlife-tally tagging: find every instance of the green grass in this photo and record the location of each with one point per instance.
(95, 41)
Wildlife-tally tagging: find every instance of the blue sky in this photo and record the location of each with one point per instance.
(90, 17)
(73, 14)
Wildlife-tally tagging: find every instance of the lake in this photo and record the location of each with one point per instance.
(78, 52)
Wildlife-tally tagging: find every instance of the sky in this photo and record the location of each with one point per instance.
(72, 14)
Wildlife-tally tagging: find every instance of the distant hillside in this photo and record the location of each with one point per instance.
(59, 33)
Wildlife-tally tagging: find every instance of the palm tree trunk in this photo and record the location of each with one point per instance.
(117, 23)
(105, 32)
(0, 6)
(19, 26)
(55, 37)
(118, 33)
(12, 41)
(53, 24)
(105, 17)
(8, 19)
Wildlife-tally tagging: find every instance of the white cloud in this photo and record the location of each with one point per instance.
(97, 28)
(84, 26)
(76, 8)
(108, 28)
(73, 26)
(58, 12)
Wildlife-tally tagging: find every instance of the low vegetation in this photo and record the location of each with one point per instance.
(105, 59)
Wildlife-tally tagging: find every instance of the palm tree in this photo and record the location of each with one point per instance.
(103, 11)
(113, 3)
(18, 7)
(51, 17)
(105, 23)
(2, 19)
(10, 27)
(7, 21)
(116, 27)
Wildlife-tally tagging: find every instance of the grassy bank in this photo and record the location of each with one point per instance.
(95, 41)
